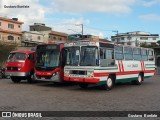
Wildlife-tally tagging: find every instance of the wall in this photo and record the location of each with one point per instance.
(4, 38)
(4, 26)
(33, 38)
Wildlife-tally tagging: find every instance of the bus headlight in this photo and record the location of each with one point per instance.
(66, 72)
(90, 73)
(54, 74)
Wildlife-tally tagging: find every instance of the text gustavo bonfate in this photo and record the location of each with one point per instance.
(16, 6)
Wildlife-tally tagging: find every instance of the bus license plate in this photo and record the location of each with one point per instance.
(43, 78)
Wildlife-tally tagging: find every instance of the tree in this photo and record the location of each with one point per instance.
(4, 51)
(145, 45)
(158, 42)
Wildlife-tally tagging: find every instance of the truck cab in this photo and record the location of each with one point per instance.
(20, 65)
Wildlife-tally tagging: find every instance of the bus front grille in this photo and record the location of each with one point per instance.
(78, 72)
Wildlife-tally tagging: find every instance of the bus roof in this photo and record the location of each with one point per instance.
(106, 42)
(57, 43)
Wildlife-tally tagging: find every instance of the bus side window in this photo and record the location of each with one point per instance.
(136, 53)
(150, 55)
(119, 53)
(128, 53)
(106, 57)
(144, 54)
(102, 53)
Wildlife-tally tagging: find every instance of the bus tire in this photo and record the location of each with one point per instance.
(15, 79)
(140, 79)
(109, 83)
(83, 85)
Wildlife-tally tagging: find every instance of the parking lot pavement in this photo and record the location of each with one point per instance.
(44, 96)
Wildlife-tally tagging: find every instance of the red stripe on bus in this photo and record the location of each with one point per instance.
(122, 66)
(76, 79)
(91, 80)
(119, 66)
(141, 65)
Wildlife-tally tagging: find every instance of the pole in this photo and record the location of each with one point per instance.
(82, 29)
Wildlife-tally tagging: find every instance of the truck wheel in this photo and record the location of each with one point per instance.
(15, 79)
(83, 85)
(109, 83)
(30, 78)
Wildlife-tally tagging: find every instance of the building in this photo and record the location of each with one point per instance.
(55, 36)
(39, 27)
(49, 35)
(10, 30)
(32, 38)
(135, 38)
(76, 37)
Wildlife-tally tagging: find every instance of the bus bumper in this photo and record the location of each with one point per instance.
(53, 78)
(86, 80)
(19, 74)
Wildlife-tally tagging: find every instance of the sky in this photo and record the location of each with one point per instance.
(99, 17)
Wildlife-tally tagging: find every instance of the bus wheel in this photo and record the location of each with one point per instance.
(15, 80)
(83, 85)
(109, 83)
(139, 80)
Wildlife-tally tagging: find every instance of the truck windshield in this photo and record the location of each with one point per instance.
(17, 56)
(73, 55)
(88, 56)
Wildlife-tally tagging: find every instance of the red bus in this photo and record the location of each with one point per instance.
(20, 65)
(50, 60)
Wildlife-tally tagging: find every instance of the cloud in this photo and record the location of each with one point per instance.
(103, 6)
(73, 26)
(70, 26)
(151, 3)
(150, 17)
(39, 11)
(35, 12)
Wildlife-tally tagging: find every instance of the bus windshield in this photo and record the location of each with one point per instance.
(17, 56)
(48, 58)
(73, 55)
(88, 56)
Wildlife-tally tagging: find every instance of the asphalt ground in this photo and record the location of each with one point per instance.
(46, 96)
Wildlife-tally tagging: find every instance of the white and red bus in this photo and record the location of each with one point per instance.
(102, 63)
(49, 62)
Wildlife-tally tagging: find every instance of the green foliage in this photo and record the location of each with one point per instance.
(145, 45)
(4, 52)
(158, 42)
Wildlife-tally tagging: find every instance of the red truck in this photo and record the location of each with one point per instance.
(20, 65)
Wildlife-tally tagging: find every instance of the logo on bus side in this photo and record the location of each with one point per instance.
(132, 65)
